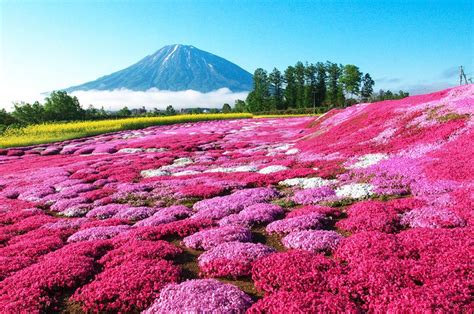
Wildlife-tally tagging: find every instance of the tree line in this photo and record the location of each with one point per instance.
(307, 85)
(59, 106)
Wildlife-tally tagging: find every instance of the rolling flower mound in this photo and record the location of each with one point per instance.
(428, 266)
(303, 302)
(429, 217)
(311, 209)
(106, 211)
(377, 215)
(312, 240)
(253, 215)
(129, 286)
(313, 196)
(200, 296)
(222, 206)
(295, 270)
(139, 250)
(409, 252)
(98, 233)
(181, 228)
(135, 213)
(232, 259)
(33, 289)
(298, 223)
(166, 215)
(207, 239)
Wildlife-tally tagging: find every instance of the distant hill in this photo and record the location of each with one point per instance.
(175, 68)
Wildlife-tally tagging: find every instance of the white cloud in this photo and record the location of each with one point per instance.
(152, 98)
(116, 99)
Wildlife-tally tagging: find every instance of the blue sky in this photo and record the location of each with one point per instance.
(412, 45)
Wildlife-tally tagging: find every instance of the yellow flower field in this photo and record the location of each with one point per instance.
(53, 132)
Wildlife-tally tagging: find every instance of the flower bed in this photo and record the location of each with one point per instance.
(202, 295)
(232, 259)
(370, 208)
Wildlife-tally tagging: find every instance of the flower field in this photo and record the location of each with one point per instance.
(53, 132)
(366, 209)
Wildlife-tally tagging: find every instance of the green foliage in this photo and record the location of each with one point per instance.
(26, 113)
(389, 95)
(334, 88)
(276, 84)
(290, 90)
(310, 85)
(6, 118)
(307, 85)
(259, 98)
(59, 106)
(226, 108)
(170, 111)
(124, 112)
(240, 106)
(300, 84)
(351, 79)
(320, 88)
(367, 87)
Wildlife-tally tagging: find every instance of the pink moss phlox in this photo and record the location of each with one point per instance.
(312, 240)
(298, 223)
(207, 239)
(232, 258)
(201, 295)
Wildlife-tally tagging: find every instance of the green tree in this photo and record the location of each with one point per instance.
(26, 113)
(367, 88)
(300, 84)
(226, 108)
(124, 112)
(320, 90)
(170, 111)
(6, 119)
(310, 88)
(240, 106)
(290, 89)
(102, 113)
(334, 90)
(276, 85)
(259, 98)
(59, 106)
(91, 113)
(351, 79)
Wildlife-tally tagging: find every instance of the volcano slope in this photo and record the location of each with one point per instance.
(366, 209)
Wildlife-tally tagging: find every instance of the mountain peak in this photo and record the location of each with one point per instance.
(175, 67)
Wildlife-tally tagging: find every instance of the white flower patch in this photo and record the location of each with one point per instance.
(307, 183)
(272, 169)
(154, 173)
(185, 173)
(182, 161)
(384, 136)
(234, 169)
(355, 190)
(283, 147)
(368, 160)
(292, 182)
(179, 162)
(155, 150)
(292, 151)
(130, 150)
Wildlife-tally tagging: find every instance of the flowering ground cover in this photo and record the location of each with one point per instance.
(366, 209)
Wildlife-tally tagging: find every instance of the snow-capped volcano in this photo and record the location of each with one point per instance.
(175, 68)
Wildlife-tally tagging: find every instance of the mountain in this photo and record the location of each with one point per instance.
(175, 68)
